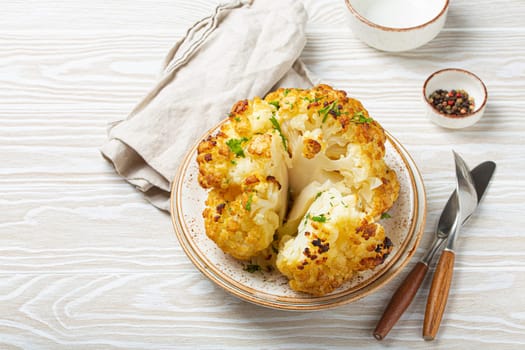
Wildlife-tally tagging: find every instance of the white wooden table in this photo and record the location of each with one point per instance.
(86, 262)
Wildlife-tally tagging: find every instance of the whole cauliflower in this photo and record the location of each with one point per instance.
(318, 150)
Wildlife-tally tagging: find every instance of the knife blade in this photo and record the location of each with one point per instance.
(467, 200)
(406, 292)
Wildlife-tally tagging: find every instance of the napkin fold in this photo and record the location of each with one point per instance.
(243, 49)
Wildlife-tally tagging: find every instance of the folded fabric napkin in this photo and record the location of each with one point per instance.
(244, 49)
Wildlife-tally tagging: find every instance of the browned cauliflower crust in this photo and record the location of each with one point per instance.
(331, 135)
(244, 165)
(333, 243)
(318, 150)
(228, 221)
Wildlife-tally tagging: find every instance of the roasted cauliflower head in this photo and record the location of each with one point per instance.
(298, 179)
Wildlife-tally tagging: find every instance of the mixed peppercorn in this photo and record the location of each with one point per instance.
(453, 102)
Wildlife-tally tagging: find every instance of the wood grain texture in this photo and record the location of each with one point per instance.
(86, 262)
(438, 294)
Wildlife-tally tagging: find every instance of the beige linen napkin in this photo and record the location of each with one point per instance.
(244, 49)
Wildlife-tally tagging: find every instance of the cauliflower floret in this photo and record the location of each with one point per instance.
(242, 222)
(333, 243)
(248, 178)
(332, 137)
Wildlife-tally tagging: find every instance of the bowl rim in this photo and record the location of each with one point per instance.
(408, 249)
(461, 71)
(393, 29)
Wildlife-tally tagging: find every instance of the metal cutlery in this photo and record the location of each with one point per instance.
(467, 201)
(406, 292)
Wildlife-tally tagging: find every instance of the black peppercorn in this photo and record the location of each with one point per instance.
(453, 102)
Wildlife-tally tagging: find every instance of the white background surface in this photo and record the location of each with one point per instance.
(86, 262)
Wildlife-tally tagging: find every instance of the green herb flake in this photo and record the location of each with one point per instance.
(318, 195)
(286, 92)
(237, 119)
(385, 216)
(329, 108)
(277, 127)
(360, 118)
(233, 162)
(249, 203)
(235, 146)
(319, 218)
(252, 268)
(275, 104)
(311, 100)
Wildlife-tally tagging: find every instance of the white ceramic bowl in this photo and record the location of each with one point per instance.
(396, 25)
(455, 79)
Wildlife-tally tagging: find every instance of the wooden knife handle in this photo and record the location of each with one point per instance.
(401, 300)
(438, 295)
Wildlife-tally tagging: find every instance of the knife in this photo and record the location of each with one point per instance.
(406, 292)
(467, 202)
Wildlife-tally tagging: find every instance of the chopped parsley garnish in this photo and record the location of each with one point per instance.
(330, 109)
(277, 127)
(286, 92)
(275, 104)
(318, 195)
(233, 162)
(249, 203)
(311, 100)
(385, 216)
(306, 219)
(319, 218)
(360, 118)
(252, 268)
(235, 146)
(237, 119)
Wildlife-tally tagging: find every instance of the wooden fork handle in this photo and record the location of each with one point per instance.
(438, 295)
(401, 300)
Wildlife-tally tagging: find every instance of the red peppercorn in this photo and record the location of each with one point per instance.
(454, 102)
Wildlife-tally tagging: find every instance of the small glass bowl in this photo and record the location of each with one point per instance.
(455, 79)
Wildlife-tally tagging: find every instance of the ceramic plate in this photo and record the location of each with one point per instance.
(271, 289)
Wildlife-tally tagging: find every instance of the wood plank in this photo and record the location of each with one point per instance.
(141, 309)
